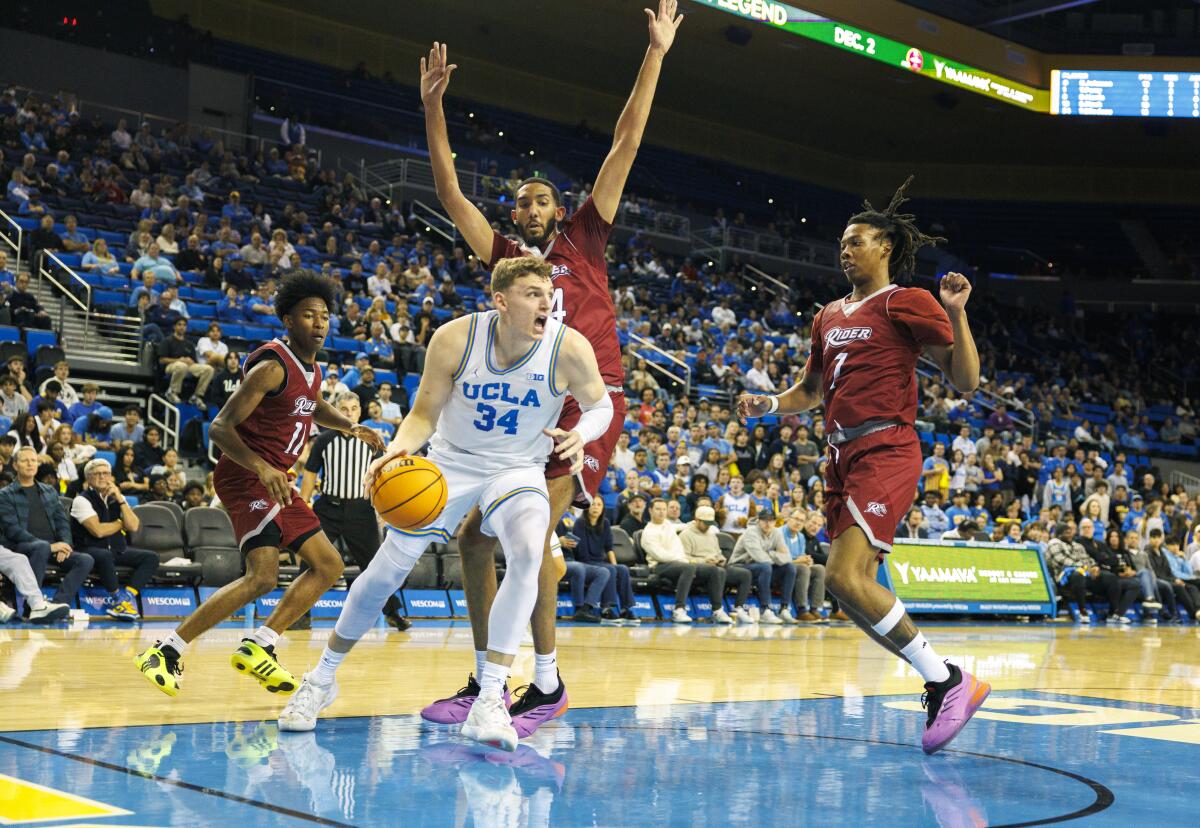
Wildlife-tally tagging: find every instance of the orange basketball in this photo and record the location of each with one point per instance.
(409, 493)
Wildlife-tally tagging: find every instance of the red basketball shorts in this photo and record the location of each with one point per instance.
(257, 521)
(596, 454)
(871, 482)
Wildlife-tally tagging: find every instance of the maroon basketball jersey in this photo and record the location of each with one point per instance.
(866, 353)
(580, 273)
(278, 427)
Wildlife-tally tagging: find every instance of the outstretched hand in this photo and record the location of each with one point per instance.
(435, 73)
(664, 24)
(750, 406)
(568, 446)
(954, 291)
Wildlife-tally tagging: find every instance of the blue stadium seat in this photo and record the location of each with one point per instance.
(35, 339)
(9, 334)
(110, 456)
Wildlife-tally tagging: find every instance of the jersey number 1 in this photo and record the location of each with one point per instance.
(838, 362)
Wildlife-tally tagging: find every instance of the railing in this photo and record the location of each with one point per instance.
(65, 291)
(685, 379)
(742, 240)
(761, 281)
(16, 246)
(123, 332)
(167, 420)
(390, 179)
(435, 222)
(1190, 482)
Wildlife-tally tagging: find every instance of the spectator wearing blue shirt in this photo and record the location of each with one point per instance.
(958, 511)
(18, 189)
(379, 347)
(715, 440)
(51, 392)
(73, 240)
(235, 211)
(87, 403)
(155, 262)
(32, 140)
(353, 376)
(376, 422)
(935, 469)
(1136, 511)
(231, 308)
(935, 519)
(1057, 491)
(149, 286)
(99, 260)
(129, 430)
(428, 288)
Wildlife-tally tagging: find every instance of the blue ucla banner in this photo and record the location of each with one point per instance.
(644, 607)
(91, 600)
(458, 603)
(566, 605)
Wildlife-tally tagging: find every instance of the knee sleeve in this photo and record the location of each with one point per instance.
(522, 533)
(378, 582)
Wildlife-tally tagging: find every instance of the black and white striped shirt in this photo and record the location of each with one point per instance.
(341, 461)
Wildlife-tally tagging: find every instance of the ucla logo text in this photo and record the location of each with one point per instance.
(499, 391)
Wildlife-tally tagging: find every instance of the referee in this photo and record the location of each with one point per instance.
(343, 510)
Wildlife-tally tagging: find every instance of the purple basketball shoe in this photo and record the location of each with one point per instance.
(951, 704)
(533, 708)
(454, 710)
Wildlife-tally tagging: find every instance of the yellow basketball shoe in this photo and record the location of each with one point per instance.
(255, 660)
(160, 669)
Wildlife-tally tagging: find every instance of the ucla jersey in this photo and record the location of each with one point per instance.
(498, 415)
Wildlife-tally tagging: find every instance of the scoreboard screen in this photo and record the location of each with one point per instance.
(1130, 94)
(903, 56)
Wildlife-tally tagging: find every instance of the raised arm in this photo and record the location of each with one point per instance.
(437, 382)
(435, 77)
(960, 361)
(627, 136)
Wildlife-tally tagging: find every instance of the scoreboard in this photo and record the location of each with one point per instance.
(1130, 94)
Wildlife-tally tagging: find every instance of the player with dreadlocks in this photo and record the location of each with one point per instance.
(862, 367)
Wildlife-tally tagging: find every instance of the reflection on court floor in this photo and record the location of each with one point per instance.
(850, 758)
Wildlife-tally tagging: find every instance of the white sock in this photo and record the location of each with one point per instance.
(480, 660)
(545, 671)
(173, 641)
(925, 660)
(326, 668)
(492, 678)
(265, 636)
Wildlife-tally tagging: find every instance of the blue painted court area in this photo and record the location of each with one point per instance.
(835, 761)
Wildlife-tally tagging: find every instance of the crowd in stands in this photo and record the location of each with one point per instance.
(189, 236)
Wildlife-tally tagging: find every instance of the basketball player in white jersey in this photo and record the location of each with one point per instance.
(494, 384)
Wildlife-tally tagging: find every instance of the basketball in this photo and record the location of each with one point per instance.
(409, 493)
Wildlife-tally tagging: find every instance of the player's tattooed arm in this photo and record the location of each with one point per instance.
(264, 378)
(802, 396)
(959, 361)
(435, 77)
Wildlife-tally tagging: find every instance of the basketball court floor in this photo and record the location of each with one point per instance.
(669, 726)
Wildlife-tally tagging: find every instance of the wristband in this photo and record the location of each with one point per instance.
(773, 401)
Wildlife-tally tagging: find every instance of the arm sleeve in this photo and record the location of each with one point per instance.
(917, 313)
(502, 248)
(82, 509)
